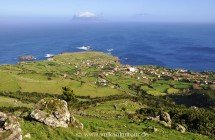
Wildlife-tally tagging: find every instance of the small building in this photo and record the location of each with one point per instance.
(102, 82)
(132, 69)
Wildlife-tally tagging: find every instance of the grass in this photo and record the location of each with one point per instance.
(117, 126)
(97, 128)
(108, 110)
(145, 88)
(182, 86)
(43, 132)
(94, 91)
(8, 82)
(105, 123)
(48, 86)
(155, 92)
(10, 102)
(172, 91)
(161, 88)
(49, 77)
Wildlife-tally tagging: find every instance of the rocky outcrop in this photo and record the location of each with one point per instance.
(212, 87)
(55, 113)
(180, 128)
(165, 119)
(27, 136)
(52, 112)
(150, 129)
(27, 58)
(9, 127)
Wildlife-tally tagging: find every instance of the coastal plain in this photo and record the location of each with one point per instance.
(112, 97)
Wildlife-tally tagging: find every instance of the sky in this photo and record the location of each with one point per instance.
(111, 10)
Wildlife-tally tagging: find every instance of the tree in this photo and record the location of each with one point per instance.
(68, 95)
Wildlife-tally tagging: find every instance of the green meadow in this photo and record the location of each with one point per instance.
(103, 107)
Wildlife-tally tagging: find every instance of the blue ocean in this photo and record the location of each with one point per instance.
(187, 46)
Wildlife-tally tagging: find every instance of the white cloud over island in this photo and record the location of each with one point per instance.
(86, 16)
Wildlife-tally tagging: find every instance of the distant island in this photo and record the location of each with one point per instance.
(88, 95)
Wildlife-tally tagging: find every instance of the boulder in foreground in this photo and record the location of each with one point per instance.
(9, 127)
(55, 113)
(52, 112)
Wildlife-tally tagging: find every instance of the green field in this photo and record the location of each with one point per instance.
(106, 123)
(102, 108)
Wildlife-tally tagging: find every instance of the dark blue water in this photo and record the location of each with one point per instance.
(188, 46)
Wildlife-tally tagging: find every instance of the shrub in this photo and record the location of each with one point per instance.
(182, 86)
(200, 120)
(68, 95)
(27, 97)
(196, 120)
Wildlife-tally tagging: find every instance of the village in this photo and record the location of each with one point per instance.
(104, 69)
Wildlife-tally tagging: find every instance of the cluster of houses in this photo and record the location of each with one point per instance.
(146, 74)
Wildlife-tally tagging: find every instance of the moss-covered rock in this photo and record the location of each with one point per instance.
(55, 113)
(9, 127)
(52, 112)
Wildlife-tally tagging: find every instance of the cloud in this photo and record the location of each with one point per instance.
(86, 16)
(141, 14)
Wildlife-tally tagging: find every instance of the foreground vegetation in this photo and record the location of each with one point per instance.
(110, 98)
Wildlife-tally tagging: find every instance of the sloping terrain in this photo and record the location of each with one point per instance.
(113, 99)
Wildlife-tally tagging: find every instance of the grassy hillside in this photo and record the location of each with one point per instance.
(110, 95)
(51, 76)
